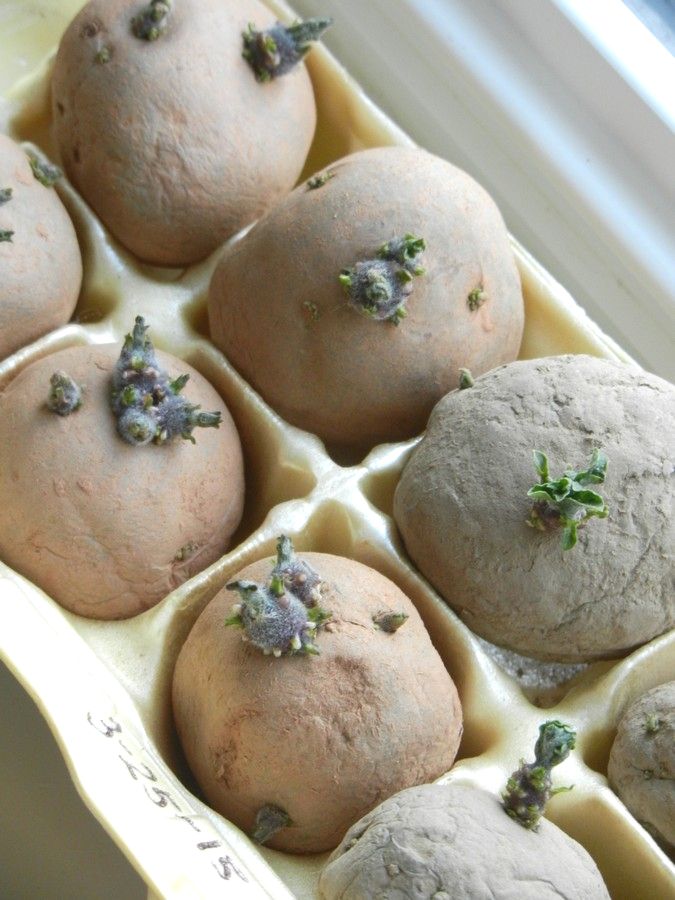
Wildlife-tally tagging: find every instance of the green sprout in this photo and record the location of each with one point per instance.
(465, 379)
(390, 622)
(567, 501)
(177, 385)
(476, 298)
(5, 195)
(404, 251)
(6, 237)
(318, 617)
(398, 315)
(46, 173)
(529, 789)
(150, 24)
(317, 181)
(652, 724)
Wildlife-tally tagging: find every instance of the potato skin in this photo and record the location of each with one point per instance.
(41, 267)
(326, 737)
(453, 842)
(642, 762)
(95, 522)
(174, 143)
(461, 506)
(353, 381)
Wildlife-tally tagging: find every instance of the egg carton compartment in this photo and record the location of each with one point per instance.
(104, 687)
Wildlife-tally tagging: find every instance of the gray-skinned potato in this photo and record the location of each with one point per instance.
(174, 138)
(455, 841)
(334, 699)
(642, 761)
(540, 505)
(352, 304)
(40, 261)
(105, 502)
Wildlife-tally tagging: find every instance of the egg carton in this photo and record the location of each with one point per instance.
(104, 687)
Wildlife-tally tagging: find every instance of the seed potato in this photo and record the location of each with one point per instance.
(40, 261)
(324, 358)
(173, 141)
(642, 761)
(453, 842)
(105, 528)
(462, 507)
(323, 738)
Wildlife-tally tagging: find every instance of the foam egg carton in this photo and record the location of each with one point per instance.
(104, 687)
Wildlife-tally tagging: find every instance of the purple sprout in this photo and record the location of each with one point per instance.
(148, 405)
(282, 616)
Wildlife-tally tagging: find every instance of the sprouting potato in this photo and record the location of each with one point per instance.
(40, 261)
(102, 503)
(351, 306)
(540, 505)
(642, 761)
(169, 133)
(454, 842)
(334, 700)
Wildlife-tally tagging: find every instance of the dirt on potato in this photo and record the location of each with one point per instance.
(642, 761)
(462, 507)
(40, 261)
(105, 528)
(173, 142)
(280, 314)
(326, 737)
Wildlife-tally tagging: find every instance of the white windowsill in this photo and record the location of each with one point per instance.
(563, 110)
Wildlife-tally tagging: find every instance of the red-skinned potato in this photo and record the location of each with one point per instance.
(293, 746)
(40, 261)
(164, 127)
(104, 526)
(310, 305)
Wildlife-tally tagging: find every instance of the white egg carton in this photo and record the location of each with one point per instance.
(104, 687)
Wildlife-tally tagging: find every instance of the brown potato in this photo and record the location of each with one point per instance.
(105, 528)
(454, 842)
(642, 761)
(173, 142)
(279, 313)
(323, 737)
(462, 507)
(40, 261)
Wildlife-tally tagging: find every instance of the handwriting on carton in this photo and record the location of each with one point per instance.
(161, 796)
